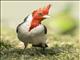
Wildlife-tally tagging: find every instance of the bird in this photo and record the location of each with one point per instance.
(31, 30)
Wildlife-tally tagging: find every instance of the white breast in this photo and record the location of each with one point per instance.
(35, 36)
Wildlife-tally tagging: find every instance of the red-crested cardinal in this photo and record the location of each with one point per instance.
(31, 30)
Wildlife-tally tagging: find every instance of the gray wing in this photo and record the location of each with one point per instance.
(21, 24)
(45, 29)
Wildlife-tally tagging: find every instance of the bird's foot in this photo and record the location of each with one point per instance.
(44, 51)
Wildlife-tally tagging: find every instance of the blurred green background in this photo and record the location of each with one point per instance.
(63, 30)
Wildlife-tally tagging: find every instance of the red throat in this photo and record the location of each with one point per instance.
(34, 23)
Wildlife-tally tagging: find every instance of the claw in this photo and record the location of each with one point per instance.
(25, 45)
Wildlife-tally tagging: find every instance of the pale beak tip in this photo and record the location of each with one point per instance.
(46, 16)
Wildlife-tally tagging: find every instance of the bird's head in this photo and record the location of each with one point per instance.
(39, 15)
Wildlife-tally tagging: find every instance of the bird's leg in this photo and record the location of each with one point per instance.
(43, 48)
(25, 45)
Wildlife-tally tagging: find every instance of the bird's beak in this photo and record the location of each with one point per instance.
(46, 16)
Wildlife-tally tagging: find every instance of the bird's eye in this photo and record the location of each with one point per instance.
(40, 14)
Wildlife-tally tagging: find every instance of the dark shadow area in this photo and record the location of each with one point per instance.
(35, 53)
